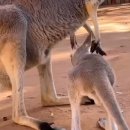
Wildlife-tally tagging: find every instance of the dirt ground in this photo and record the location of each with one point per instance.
(115, 33)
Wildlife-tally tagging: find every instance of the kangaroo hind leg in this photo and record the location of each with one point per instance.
(49, 96)
(5, 84)
(13, 58)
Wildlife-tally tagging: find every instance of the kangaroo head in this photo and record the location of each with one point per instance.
(84, 49)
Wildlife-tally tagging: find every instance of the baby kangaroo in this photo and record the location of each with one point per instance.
(92, 76)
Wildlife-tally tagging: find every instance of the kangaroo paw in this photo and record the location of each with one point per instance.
(96, 47)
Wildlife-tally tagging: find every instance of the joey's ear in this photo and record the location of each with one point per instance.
(73, 42)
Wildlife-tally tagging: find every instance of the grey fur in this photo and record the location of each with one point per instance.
(92, 76)
(29, 29)
(48, 22)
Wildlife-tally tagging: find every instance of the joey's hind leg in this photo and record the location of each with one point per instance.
(48, 92)
(75, 100)
(75, 109)
(104, 123)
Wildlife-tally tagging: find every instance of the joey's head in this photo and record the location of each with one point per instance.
(81, 51)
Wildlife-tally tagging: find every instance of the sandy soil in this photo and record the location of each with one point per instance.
(115, 32)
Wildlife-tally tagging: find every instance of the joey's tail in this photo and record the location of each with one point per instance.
(107, 96)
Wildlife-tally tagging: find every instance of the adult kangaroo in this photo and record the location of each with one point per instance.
(29, 29)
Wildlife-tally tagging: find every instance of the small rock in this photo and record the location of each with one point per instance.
(119, 93)
(121, 45)
(52, 114)
(9, 96)
(5, 118)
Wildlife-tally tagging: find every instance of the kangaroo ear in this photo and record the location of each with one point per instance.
(73, 42)
(88, 40)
